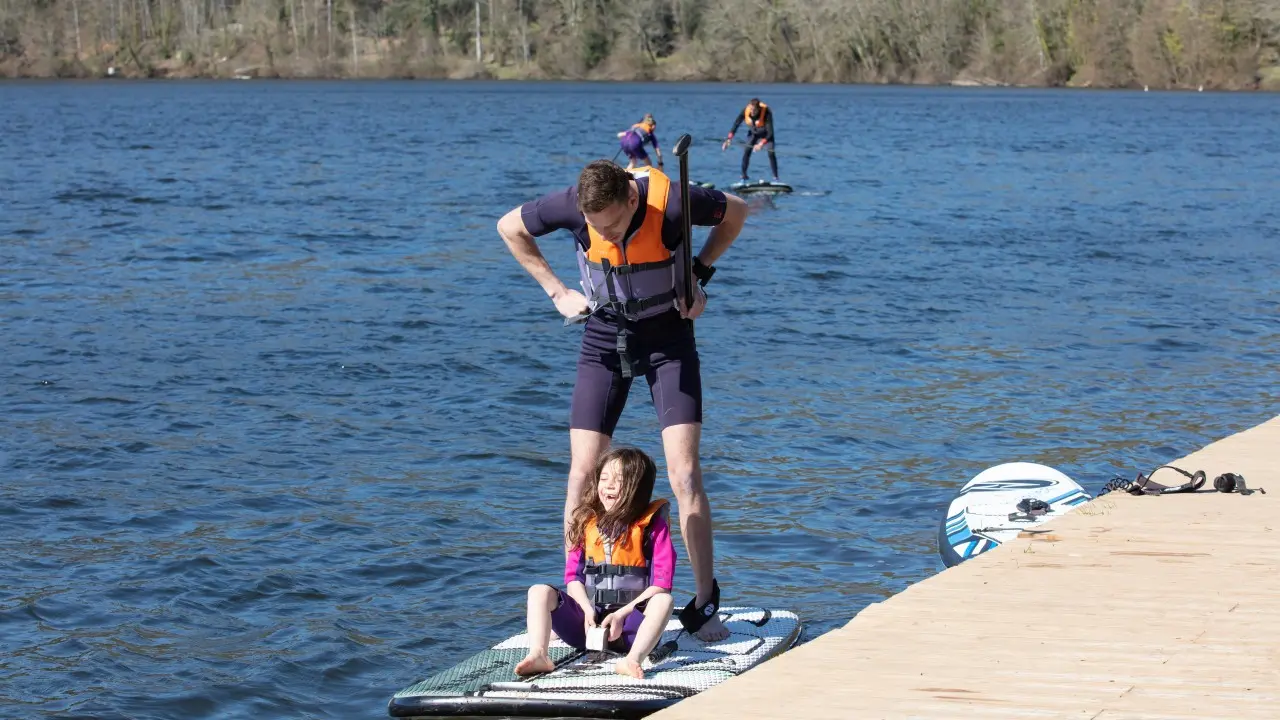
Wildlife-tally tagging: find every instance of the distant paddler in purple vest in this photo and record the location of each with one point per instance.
(633, 140)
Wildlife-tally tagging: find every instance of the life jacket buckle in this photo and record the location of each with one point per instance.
(625, 364)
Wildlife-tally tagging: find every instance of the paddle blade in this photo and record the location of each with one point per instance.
(682, 145)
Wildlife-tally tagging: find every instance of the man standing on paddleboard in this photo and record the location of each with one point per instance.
(628, 231)
(759, 121)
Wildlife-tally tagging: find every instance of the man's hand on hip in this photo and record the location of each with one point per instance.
(572, 303)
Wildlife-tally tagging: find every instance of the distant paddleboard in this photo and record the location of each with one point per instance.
(644, 170)
(1001, 502)
(584, 683)
(760, 186)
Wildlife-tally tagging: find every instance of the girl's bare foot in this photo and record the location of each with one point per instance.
(534, 663)
(629, 667)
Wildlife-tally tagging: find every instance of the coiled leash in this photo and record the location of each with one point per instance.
(1144, 485)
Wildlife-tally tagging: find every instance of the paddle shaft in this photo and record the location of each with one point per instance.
(686, 220)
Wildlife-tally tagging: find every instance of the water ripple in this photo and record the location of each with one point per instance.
(285, 423)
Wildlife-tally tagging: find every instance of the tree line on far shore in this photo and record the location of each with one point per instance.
(1232, 44)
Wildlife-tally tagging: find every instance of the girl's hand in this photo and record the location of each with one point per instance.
(589, 615)
(614, 621)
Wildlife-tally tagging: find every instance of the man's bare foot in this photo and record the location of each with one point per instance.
(631, 668)
(713, 630)
(534, 663)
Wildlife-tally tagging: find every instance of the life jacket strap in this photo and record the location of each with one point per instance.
(611, 570)
(637, 306)
(614, 598)
(634, 268)
(626, 366)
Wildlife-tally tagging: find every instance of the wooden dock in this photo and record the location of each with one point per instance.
(1152, 607)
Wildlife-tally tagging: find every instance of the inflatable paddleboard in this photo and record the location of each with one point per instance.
(750, 186)
(584, 683)
(1001, 502)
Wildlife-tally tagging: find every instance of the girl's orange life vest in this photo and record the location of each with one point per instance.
(616, 575)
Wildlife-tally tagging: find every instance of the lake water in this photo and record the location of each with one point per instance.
(283, 424)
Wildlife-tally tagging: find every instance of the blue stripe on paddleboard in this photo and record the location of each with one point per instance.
(960, 532)
(973, 548)
(1067, 494)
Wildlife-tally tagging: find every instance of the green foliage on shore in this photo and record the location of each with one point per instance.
(1232, 44)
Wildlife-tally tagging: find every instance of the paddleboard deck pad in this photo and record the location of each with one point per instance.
(584, 683)
(1000, 502)
(760, 186)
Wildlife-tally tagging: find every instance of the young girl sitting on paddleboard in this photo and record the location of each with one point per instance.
(618, 571)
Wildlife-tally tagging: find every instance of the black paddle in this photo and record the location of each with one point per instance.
(682, 151)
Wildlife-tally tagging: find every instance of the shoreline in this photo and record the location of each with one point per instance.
(959, 84)
(449, 68)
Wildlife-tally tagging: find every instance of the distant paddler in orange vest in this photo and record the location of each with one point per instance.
(634, 139)
(758, 118)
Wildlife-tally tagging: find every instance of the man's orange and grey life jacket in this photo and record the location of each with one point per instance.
(758, 122)
(637, 278)
(615, 575)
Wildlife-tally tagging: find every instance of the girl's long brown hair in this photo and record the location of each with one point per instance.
(635, 491)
